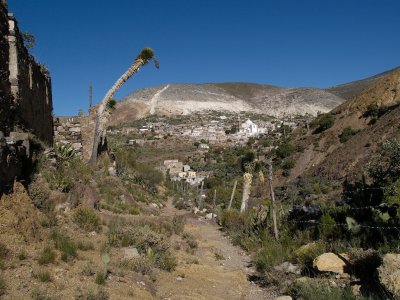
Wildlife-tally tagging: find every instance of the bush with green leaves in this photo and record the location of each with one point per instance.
(384, 167)
(285, 150)
(305, 255)
(347, 134)
(87, 219)
(323, 123)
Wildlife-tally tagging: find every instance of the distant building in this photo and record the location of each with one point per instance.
(250, 128)
(174, 166)
(204, 147)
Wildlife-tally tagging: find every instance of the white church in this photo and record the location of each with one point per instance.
(250, 128)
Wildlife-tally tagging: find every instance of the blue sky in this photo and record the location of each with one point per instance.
(287, 42)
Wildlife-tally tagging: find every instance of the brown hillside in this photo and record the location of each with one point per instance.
(350, 159)
(324, 154)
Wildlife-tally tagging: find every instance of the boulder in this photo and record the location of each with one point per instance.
(389, 274)
(287, 268)
(210, 216)
(329, 262)
(131, 252)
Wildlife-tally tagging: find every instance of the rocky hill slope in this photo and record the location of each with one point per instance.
(350, 89)
(177, 99)
(327, 156)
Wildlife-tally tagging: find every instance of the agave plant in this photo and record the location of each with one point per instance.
(65, 151)
(144, 57)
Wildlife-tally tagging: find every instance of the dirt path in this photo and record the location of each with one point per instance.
(220, 270)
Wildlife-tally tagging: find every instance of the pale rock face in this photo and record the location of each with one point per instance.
(329, 262)
(177, 99)
(389, 274)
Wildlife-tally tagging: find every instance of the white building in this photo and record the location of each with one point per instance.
(250, 128)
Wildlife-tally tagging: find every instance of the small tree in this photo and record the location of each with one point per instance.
(323, 123)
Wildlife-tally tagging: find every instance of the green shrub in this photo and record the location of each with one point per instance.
(47, 256)
(145, 238)
(327, 227)
(317, 290)
(273, 253)
(285, 150)
(323, 123)
(87, 219)
(100, 278)
(64, 244)
(143, 265)
(288, 163)
(233, 221)
(306, 254)
(347, 134)
(178, 224)
(167, 262)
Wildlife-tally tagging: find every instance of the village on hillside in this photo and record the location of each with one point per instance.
(211, 128)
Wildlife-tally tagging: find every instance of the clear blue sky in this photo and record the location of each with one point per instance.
(287, 42)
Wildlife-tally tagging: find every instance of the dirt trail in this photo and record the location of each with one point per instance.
(221, 272)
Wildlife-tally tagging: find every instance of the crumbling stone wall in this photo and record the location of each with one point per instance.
(25, 103)
(30, 87)
(5, 88)
(67, 130)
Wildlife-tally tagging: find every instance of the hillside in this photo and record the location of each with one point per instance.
(178, 99)
(325, 155)
(350, 89)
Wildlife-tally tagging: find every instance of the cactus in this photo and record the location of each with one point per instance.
(65, 151)
(105, 257)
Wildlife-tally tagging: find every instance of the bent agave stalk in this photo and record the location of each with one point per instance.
(144, 57)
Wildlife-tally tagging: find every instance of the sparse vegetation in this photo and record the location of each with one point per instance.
(90, 295)
(64, 244)
(47, 256)
(347, 134)
(87, 219)
(3, 285)
(42, 275)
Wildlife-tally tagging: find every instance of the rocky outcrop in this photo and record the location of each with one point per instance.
(14, 151)
(389, 274)
(329, 262)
